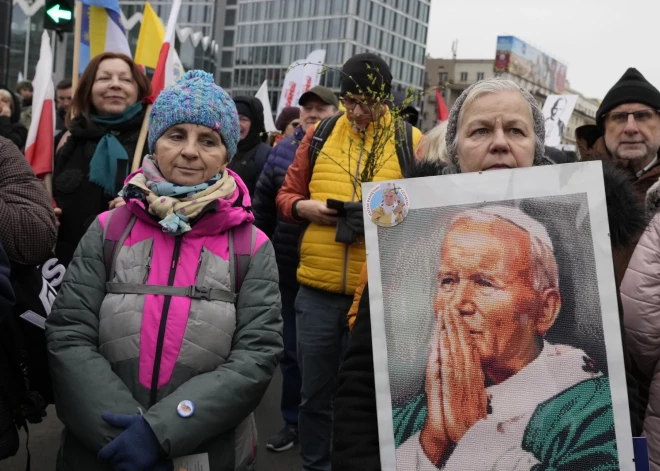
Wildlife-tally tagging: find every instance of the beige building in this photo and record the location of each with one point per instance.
(453, 76)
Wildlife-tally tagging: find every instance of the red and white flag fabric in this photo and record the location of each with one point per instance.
(291, 88)
(164, 75)
(40, 139)
(443, 113)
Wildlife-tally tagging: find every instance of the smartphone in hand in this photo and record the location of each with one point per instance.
(337, 206)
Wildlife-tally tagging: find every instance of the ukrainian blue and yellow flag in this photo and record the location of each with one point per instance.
(101, 30)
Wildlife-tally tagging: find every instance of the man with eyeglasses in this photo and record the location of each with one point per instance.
(322, 191)
(630, 122)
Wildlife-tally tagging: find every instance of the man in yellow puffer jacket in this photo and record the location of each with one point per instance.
(329, 270)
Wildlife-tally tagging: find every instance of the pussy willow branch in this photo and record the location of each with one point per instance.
(375, 158)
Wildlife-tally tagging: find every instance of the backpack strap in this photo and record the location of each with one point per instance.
(193, 291)
(242, 240)
(403, 136)
(321, 133)
(118, 226)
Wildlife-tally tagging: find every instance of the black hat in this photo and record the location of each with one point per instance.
(631, 88)
(323, 93)
(364, 72)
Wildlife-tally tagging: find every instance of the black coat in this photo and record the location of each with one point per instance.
(355, 426)
(6, 291)
(285, 236)
(80, 199)
(252, 151)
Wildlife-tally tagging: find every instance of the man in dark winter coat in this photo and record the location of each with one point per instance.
(355, 434)
(252, 153)
(628, 120)
(316, 104)
(10, 115)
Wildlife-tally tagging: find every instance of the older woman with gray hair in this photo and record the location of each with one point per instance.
(493, 125)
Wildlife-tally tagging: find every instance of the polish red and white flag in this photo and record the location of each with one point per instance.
(39, 147)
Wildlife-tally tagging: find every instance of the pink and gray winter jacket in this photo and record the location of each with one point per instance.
(120, 352)
(640, 296)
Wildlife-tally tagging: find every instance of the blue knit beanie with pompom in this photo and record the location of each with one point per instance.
(195, 99)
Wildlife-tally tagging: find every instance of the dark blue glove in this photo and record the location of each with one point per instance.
(136, 448)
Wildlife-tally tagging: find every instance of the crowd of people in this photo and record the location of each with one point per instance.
(229, 253)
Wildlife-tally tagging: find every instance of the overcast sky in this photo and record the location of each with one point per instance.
(597, 39)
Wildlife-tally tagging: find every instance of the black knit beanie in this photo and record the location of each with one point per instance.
(631, 88)
(355, 76)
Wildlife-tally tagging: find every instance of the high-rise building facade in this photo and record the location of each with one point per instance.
(272, 34)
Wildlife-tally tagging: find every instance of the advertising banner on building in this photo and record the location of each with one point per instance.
(557, 112)
(519, 58)
(496, 334)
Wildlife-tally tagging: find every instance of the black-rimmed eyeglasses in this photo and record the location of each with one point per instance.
(621, 117)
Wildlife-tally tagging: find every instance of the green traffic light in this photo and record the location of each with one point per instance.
(57, 13)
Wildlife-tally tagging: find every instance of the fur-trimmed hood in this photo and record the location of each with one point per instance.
(653, 198)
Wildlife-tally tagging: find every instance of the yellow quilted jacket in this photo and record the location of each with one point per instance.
(324, 263)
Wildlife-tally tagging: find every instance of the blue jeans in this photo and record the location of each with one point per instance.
(291, 382)
(322, 338)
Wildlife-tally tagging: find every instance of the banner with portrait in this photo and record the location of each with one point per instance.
(496, 336)
(557, 112)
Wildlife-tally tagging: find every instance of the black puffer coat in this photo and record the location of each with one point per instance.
(80, 199)
(285, 236)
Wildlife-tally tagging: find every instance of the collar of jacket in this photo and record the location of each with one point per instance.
(383, 122)
(216, 218)
(298, 134)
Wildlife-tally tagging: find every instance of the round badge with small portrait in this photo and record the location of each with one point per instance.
(185, 409)
(387, 205)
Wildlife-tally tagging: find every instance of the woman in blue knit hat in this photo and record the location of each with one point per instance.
(167, 327)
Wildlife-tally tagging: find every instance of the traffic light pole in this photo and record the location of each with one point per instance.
(5, 35)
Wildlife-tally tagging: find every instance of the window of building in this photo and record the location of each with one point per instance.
(231, 2)
(305, 9)
(335, 29)
(290, 9)
(287, 35)
(227, 59)
(480, 76)
(442, 78)
(225, 79)
(228, 39)
(295, 27)
(230, 17)
(464, 76)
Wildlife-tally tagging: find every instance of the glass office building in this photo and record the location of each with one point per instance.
(273, 34)
(200, 32)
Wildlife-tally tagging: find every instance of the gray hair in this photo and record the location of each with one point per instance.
(483, 87)
(545, 274)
